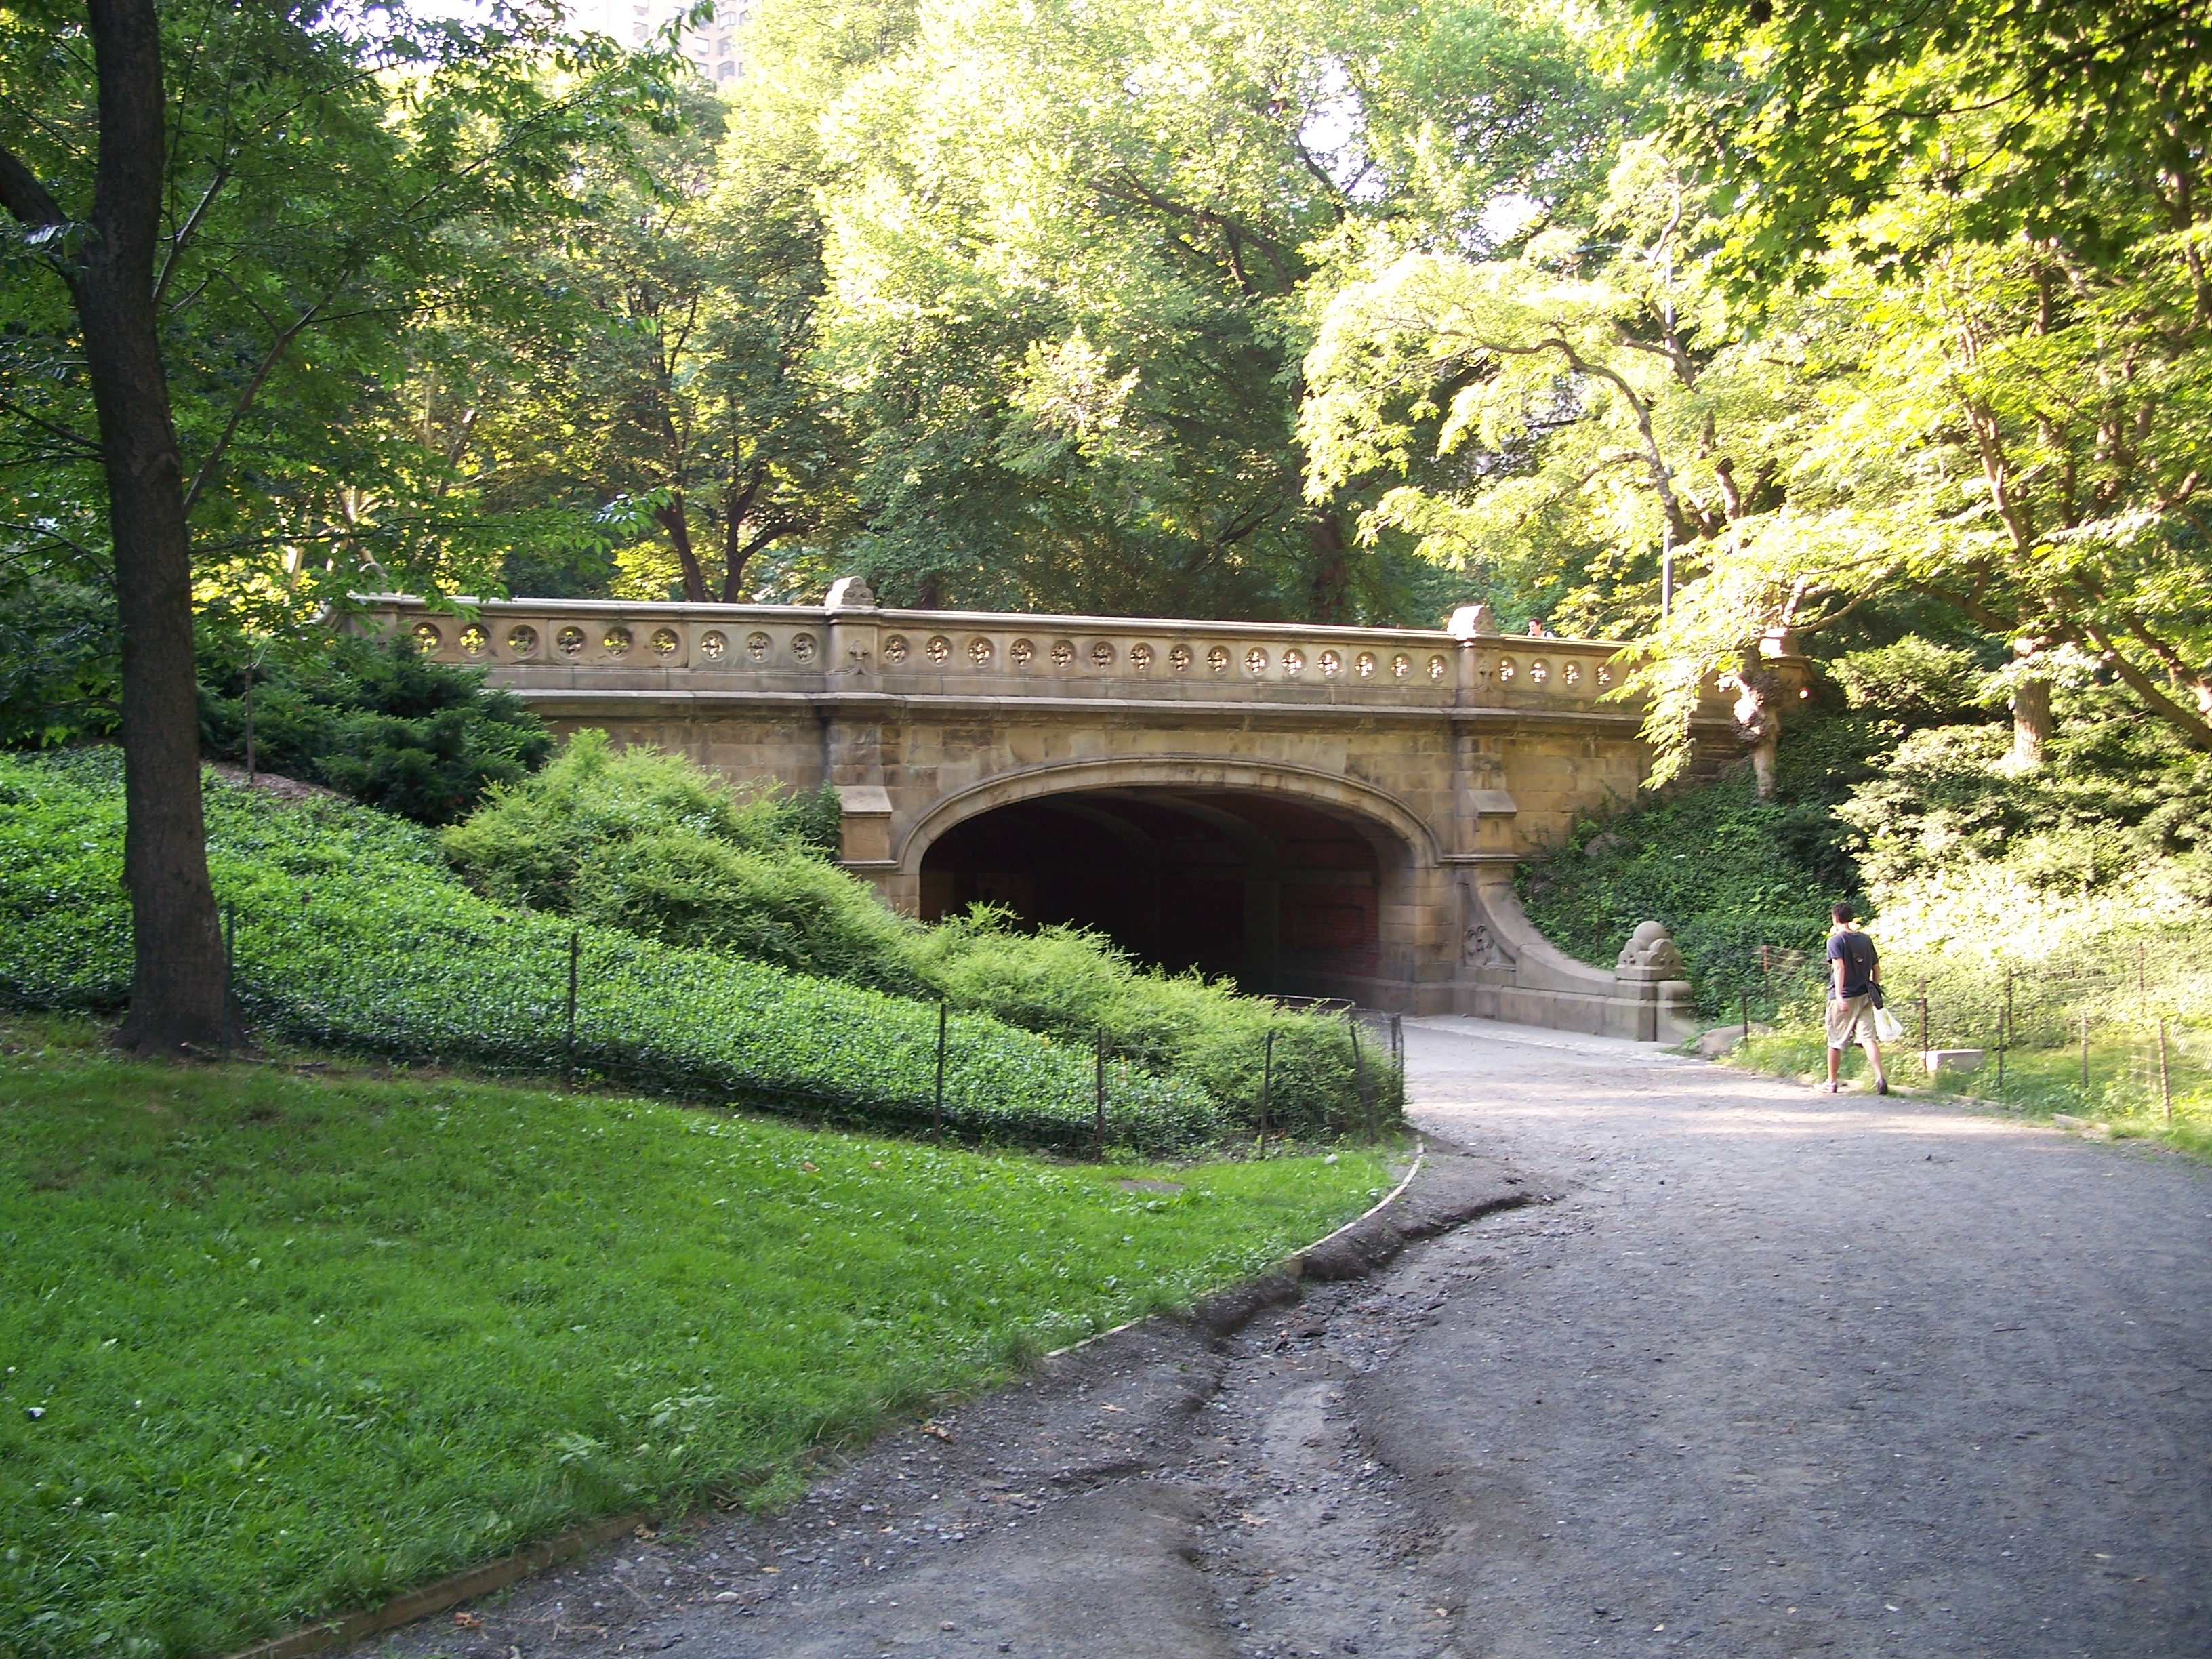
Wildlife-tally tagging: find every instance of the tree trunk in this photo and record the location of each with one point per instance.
(177, 985)
(1330, 600)
(1758, 724)
(2032, 725)
(735, 557)
(676, 522)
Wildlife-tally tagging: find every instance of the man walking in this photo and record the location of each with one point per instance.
(1853, 972)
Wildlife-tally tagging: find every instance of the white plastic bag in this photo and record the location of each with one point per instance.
(1888, 1026)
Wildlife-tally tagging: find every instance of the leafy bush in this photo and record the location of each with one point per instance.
(1969, 862)
(1073, 984)
(57, 656)
(650, 843)
(1725, 872)
(2115, 790)
(352, 934)
(376, 720)
(1912, 679)
(1712, 864)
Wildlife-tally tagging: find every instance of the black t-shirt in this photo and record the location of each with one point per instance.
(1855, 952)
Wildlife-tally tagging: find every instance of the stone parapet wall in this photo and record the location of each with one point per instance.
(566, 644)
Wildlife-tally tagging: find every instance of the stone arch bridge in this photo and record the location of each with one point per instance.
(1327, 811)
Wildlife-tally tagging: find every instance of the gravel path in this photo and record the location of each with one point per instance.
(1763, 1372)
(1793, 1373)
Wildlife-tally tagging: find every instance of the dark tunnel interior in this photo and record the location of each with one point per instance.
(1281, 896)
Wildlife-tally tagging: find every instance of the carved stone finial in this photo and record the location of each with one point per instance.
(1469, 620)
(849, 593)
(1650, 954)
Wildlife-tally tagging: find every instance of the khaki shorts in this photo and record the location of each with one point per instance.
(1851, 1019)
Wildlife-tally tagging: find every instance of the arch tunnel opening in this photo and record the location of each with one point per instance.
(1278, 895)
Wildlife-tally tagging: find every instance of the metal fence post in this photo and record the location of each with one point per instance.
(1267, 1076)
(1743, 1011)
(1100, 1089)
(2165, 1082)
(937, 1116)
(2004, 1028)
(1359, 1076)
(229, 971)
(575, 957)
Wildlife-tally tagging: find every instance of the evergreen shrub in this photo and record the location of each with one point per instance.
(373, 719)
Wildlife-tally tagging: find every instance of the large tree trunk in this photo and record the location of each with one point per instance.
(2031, 726)
(177, 985)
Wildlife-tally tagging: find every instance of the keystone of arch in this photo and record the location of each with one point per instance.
(1300, 783)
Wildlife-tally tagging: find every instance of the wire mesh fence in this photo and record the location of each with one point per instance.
(2121, 1027)
(595, 1009)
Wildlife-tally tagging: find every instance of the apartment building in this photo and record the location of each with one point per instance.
(716, 50)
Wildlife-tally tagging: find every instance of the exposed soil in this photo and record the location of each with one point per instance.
(1765, 1372)
(272, 783)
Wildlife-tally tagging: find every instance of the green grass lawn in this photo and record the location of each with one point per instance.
(277, 1343)
(2122, 1092)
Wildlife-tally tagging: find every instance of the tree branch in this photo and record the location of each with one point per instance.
(2194, 731)
(25, 198)
(76, 440)
(268, 364)
(1321, 175)
(187, 231)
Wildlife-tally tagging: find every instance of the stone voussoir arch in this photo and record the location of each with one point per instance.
(1302, 783)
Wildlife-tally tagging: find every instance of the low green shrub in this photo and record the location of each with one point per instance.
(1724, 870)
(1074, 984)
(376, 720)
(1911, 680)
(352, 932)
(647, 842)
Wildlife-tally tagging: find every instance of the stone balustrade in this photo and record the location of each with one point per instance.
(555, 644)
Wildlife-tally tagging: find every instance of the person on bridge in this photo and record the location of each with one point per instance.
(1854, 971)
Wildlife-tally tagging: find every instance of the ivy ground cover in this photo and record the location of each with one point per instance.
(275, 1344)
(352, 932)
